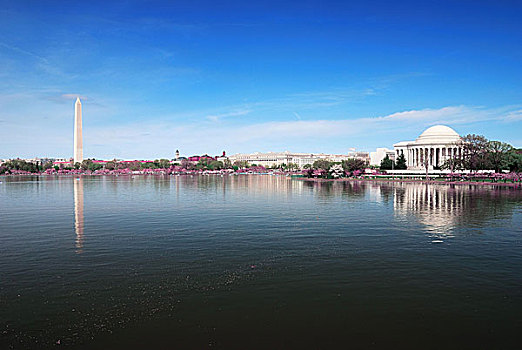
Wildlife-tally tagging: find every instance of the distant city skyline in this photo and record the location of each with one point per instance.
(201, 77)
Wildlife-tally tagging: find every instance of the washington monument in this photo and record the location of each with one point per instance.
(78, 139)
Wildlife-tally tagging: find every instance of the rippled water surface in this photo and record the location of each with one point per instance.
(257, 262)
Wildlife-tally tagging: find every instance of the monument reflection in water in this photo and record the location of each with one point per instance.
(442, 208)
(78, 213)
(439, 208)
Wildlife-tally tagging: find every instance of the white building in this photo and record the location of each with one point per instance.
(435, 145)
(379, 154)
(271, 159)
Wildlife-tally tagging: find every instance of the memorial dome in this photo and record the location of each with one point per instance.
(439, 134)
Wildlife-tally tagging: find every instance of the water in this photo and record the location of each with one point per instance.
(257, 262)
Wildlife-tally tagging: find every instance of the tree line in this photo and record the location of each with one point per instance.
(479, 153)
(21, 165)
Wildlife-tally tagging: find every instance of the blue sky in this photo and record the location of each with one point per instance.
(208, 76)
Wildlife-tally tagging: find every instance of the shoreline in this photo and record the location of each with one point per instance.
(380, 180)
(432, 182)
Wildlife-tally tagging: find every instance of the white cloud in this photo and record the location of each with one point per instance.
(236, 113)
(427, 114)
(514, 116)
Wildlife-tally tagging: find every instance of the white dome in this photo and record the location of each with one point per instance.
(439, 133)
(439, 130)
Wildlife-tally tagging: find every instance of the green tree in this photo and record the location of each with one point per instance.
(47, 165)
(499, 154)
(386, 163)
(110, 165)
(322, 164)
(353, 164)
(515, 160)
(241, 164)
(150, 165)
(292, 166)
(227, 164)
(203, 163)
(164, 163)
(188, 165)
(85, 164)
(134, 166)
(474, 152)
(215, 165)
(95, 166)
(400, 164)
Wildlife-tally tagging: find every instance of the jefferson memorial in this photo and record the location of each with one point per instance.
(436, 145)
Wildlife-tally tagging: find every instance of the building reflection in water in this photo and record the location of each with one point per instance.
(439, 208)
(78, 213)
(442, 208)
(436, 207)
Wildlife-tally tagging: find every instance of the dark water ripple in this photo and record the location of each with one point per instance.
(257, 262)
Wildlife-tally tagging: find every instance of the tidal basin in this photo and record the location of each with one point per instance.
(257, 261)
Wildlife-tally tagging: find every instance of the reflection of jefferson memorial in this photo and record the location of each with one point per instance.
(436, 145)
(438, 208)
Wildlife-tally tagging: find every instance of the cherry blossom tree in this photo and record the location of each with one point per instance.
(336, 171)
